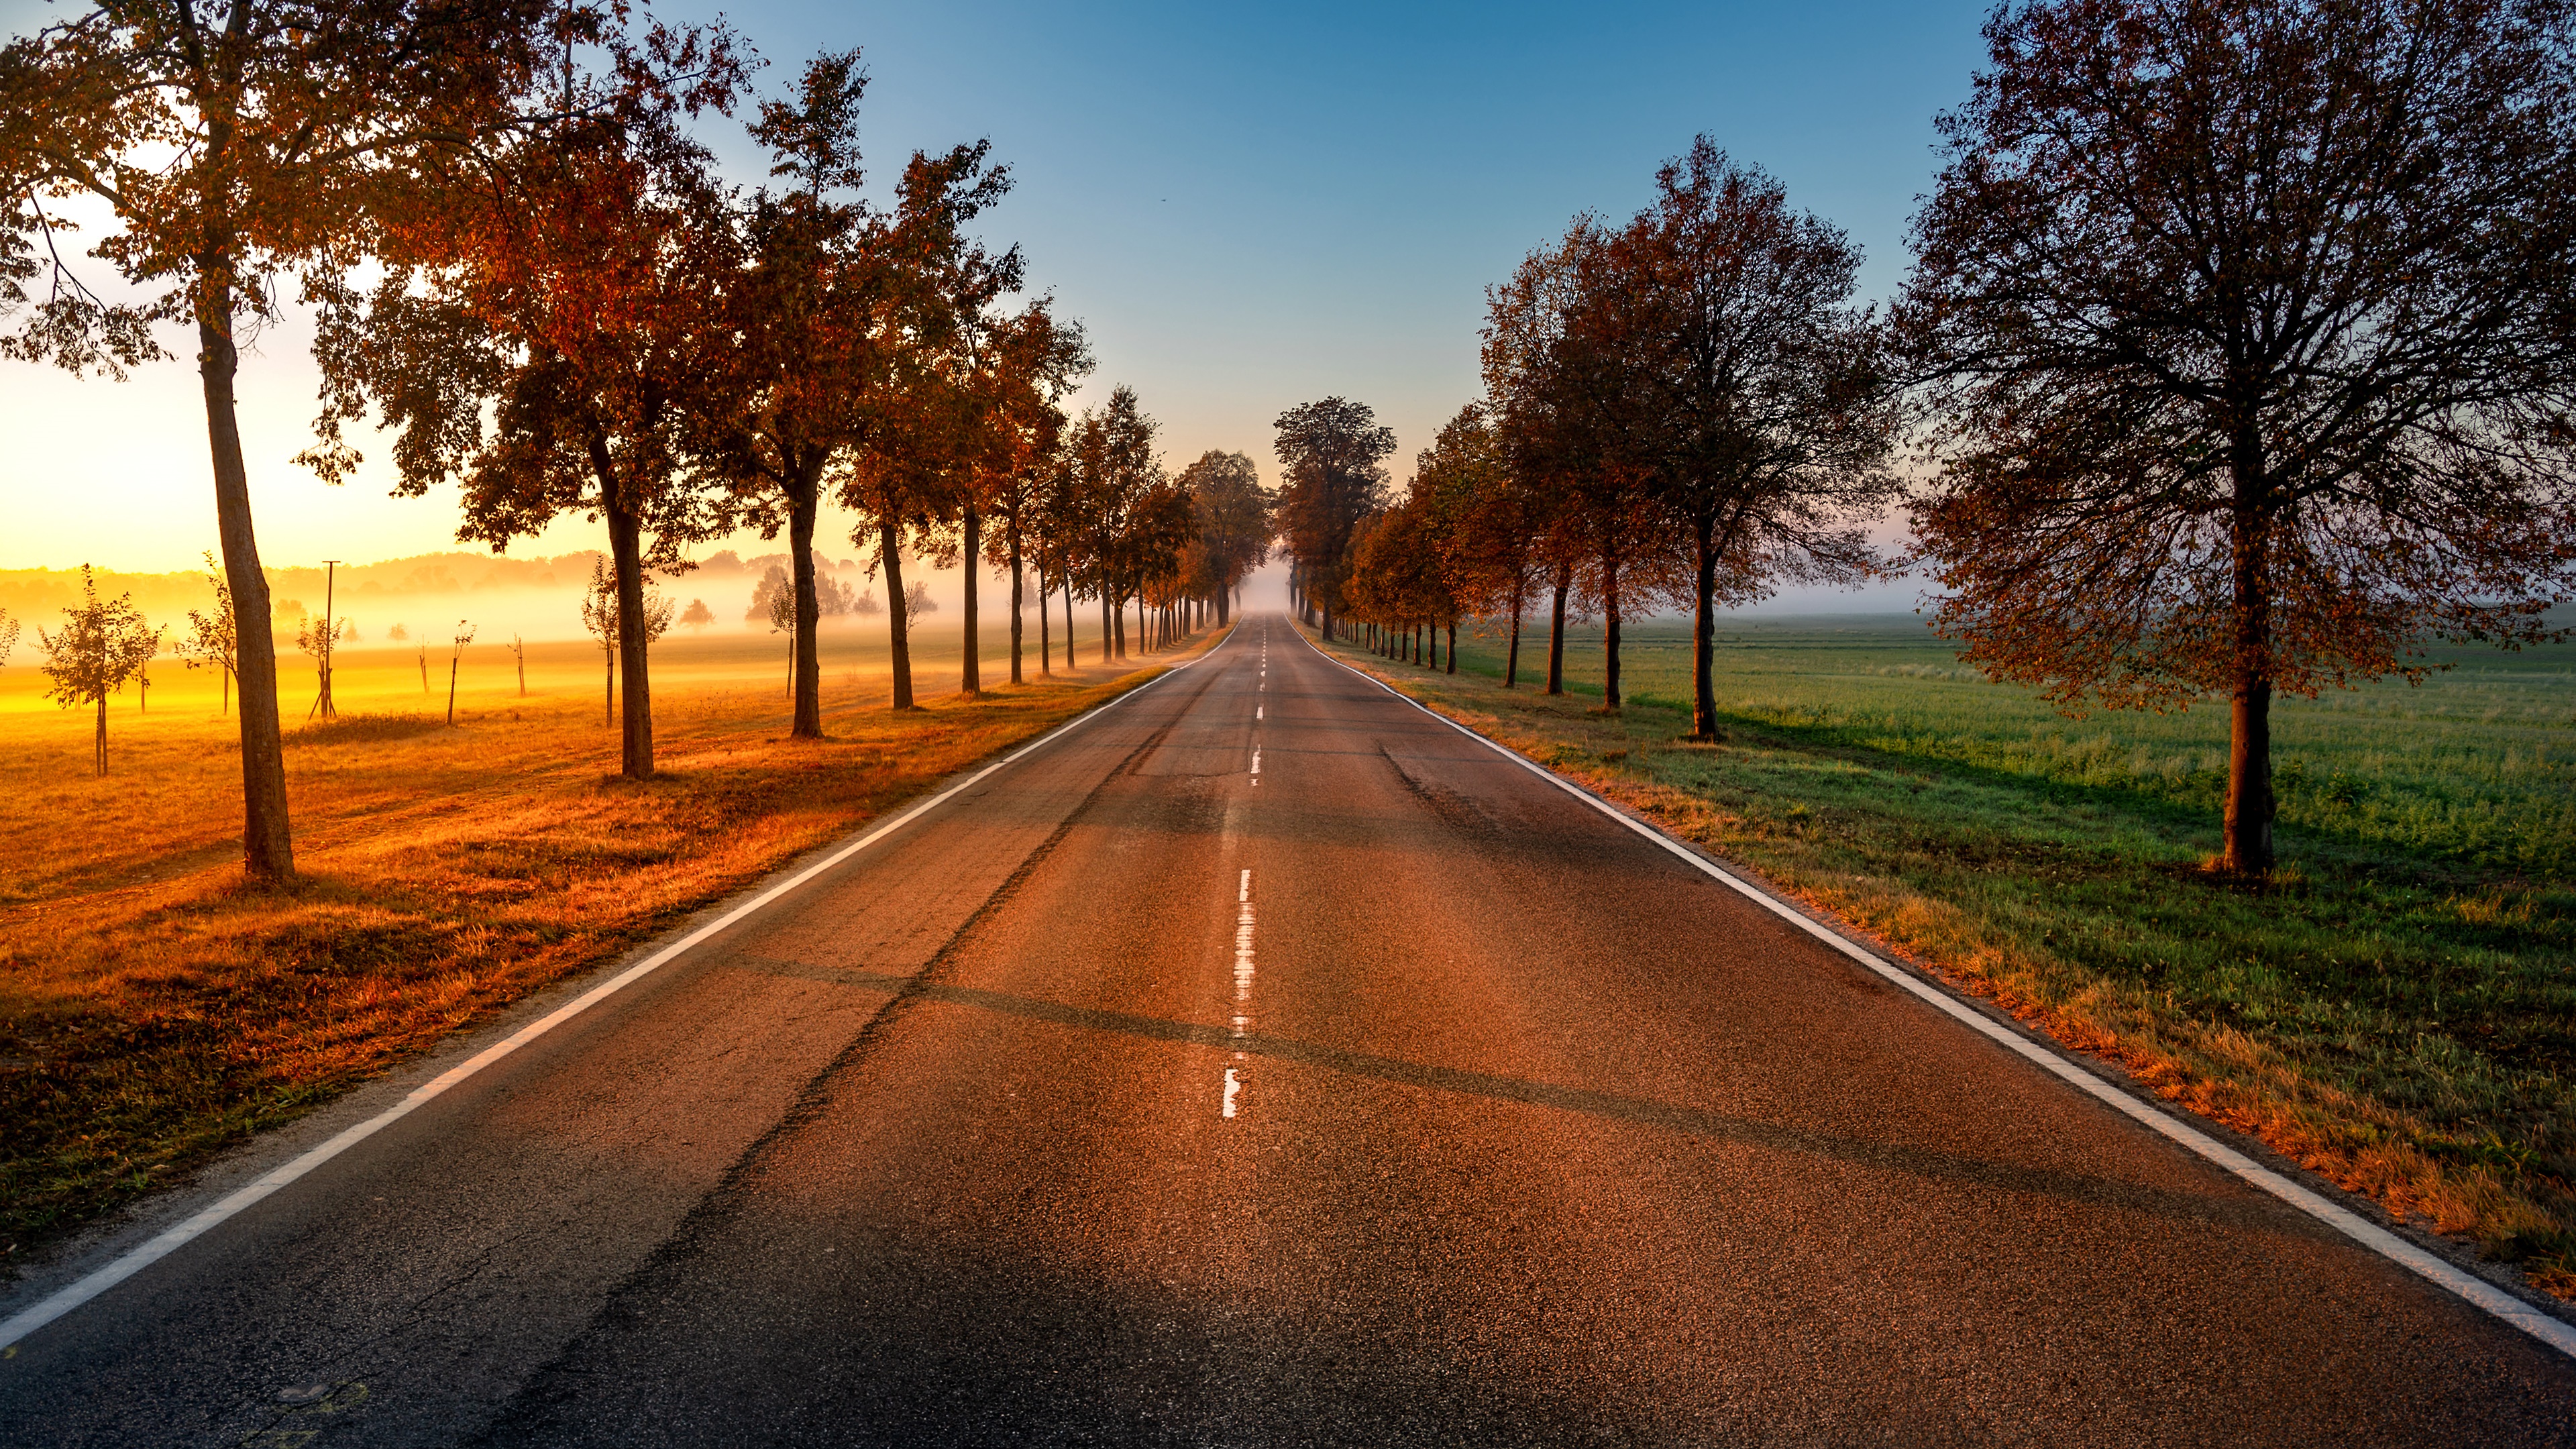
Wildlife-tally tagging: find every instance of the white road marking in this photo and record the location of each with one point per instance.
(1256, 711)
(1256, 759)
(161, 1246)
(2555, 1332)
(1242, 1019)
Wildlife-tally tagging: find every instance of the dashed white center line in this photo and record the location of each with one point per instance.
(1256, 711)
(1242, 1020)
(1256, 759)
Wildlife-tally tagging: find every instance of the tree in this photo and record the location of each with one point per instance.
(603, 614)
(1543, 412)
(1330, 456)
(697, 616)
(599, 618)
(1026, 364)
(1117, 521)
(233, 141)
(2247, 357)
(774, 584)
(464, 636)
(1497, 524)
(320, 640)
(1752, 401)
(8, 635)
(910, 478)
(815, 328)
(213, 641)
(1233, 521)
(103, 643)
(570, 283)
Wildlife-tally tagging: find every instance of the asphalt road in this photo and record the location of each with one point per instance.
(1266, 1063)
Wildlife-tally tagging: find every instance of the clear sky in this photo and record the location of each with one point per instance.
(1247, 209)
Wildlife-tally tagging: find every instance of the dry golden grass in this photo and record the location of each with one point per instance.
(154, 1008)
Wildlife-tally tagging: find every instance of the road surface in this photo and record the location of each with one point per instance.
(1265, 1063)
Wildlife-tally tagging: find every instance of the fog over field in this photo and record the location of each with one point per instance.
(537, 598)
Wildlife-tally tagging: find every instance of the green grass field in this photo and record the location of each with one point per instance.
(2476, 767)
(2397, 1010)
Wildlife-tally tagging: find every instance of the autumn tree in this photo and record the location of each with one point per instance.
(570, 282)
(2246, 337)
(1024, 366)
(1130, 522)
(910, 479)
(812, 337)
(213, 640)
(1545, 409)
(103, 644)
(236, 144)
(1498, 523)
(1331, 456)
(1233, 512)
(1750, 399)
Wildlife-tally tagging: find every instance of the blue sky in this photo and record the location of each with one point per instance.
(1248, 209)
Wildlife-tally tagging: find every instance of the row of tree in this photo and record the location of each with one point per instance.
(2239, 351)
(524, 264)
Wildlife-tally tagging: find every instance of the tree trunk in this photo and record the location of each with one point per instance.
(98, 746)
(1070, 663)
(1108, 623)
(971, 675)
(268, 848)
(1556, 632)
(1221, 603)
(1704, 633)
(1046, 642)
(1610, 634)
(804, 497)
(2249, 743)
(1118, 625)
(1512, 657)
(898, 620)
(626, 543)
(1019, 583)
(1453, 646)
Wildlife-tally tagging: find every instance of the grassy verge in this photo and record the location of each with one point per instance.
(2398, 1012)
(154, 1009)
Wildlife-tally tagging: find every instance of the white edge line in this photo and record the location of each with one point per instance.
(135, 1260)
(2555, 1332)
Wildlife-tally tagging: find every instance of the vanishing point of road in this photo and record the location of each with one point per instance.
(1263, 1062)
